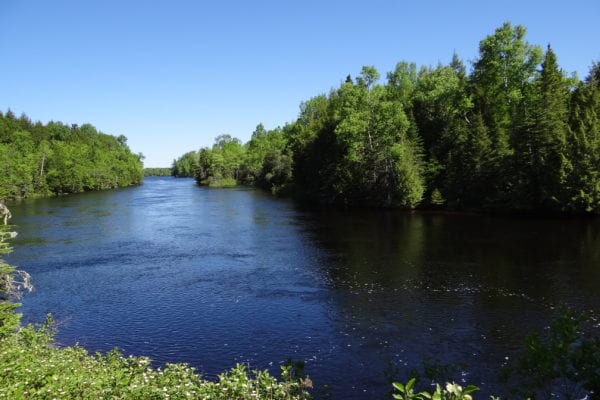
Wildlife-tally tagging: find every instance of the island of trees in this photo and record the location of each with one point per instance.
(50, 159)
(514, 133)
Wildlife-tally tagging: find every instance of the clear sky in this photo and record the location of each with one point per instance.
(172, 75)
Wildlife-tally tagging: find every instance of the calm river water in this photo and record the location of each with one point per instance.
(215, 277)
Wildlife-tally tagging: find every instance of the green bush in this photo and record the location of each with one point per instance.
(33, 368)
(221, 182)
(452, 391)
(564, 361)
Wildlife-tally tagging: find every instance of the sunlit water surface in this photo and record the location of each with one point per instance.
(216, 277)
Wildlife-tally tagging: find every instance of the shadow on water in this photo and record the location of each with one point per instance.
(214, 277)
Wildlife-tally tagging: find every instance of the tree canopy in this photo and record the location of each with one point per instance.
(514, 133)
(38, 159)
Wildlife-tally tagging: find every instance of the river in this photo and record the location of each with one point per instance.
(214, 277)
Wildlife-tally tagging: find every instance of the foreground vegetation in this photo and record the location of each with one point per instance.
(41, 160)
(32, 368)
(515, 133)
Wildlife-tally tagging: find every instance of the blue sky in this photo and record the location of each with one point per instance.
(172, 75)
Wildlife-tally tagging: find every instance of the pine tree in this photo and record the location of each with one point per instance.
(468, 184)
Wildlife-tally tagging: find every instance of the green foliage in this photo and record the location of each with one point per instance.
(12, 284)
(379, 162)
(158, 171)
(220, 166)
(541, 149)
(451, 391)
(470, 170)
(9, 320)
(583, 146)
(506, 66)
(186, 166)
(33, 368)
(565, 361)
(267, 162)
(499, 84)
(315, 152)
(220, 182)
(38, 159)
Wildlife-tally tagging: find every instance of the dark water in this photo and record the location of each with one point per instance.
(215, 277)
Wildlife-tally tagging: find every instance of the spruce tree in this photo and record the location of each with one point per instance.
(583, 182)
(550, 161)
(540, 162)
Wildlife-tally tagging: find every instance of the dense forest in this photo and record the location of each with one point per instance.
(512, 133)
(39, 160)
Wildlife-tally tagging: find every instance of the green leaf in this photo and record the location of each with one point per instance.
(470, 389)
(398, 386)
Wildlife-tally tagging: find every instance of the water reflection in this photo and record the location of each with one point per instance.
(542, 259)
(462, 288)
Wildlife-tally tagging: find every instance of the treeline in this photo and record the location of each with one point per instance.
(183, 167)
(157, 171)
(39, 160)
(514, 133)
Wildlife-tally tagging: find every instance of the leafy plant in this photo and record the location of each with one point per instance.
(565, 361)
(451, 391)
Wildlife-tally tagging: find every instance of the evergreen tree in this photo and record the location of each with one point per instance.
(468, 182)
(314, 148)
(541, 159)
(583, 182)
